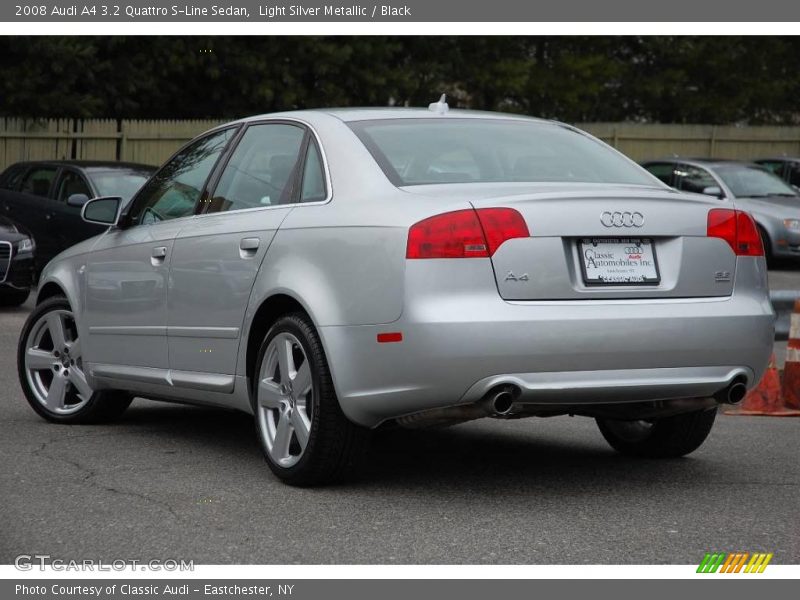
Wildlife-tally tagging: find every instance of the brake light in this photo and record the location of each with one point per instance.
(465, 233)
(738, 229)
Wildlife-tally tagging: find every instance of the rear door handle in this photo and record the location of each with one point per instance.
(158, 255)
(248, 247)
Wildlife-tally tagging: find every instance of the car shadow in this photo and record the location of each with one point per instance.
(487, 457)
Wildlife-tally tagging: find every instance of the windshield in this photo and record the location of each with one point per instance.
(452, 150)
(119, 182)
(752, 181)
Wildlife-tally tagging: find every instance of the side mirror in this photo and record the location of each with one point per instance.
(102, 211)
(713, 190)
(77, 200)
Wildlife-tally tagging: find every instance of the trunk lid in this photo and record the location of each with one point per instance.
(582, 236)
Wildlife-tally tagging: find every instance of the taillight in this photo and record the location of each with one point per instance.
(737, 228)
(465, 233)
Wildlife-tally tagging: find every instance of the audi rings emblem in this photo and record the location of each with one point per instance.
(622, 219)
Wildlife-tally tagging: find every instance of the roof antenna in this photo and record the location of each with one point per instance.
(440, 106)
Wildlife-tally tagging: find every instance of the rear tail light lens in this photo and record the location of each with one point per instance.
(738, 229)
(465, 233)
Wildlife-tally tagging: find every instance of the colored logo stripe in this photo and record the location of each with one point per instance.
(734, 562)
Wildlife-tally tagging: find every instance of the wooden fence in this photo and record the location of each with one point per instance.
(153, 141)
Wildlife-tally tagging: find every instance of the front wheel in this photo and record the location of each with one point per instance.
(305, 437)
(668, 437)
(50, 367)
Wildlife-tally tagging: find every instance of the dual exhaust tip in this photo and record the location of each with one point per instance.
(499, 402)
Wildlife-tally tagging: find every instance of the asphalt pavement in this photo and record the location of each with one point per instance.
(180, 482)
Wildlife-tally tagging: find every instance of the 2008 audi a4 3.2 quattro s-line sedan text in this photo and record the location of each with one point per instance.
(329, 271)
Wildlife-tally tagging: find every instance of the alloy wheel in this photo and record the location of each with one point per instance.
(285, 399)
(54, 365)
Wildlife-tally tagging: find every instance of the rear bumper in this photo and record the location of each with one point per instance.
(458, 345)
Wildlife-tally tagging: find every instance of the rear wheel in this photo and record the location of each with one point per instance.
(305, 437)
(50, 367)
(669, 437)
(12, 296)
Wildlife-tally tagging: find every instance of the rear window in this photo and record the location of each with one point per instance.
(453, 150)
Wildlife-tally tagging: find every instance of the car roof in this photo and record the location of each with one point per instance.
(91, 164)
(779, 158)
(706, 162)
(374, 114)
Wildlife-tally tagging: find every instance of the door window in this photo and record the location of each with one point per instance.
(175, 189)
(262, 170)
(72, 183)
(38, 180)
(694, 179)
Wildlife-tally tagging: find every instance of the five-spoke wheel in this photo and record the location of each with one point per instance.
(285, 399)
(51, 370)
(305, 437)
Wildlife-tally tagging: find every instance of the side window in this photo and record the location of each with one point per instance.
(694, 179)
(313, 189)
(773, 165)
(71, 183)
(10, 179)
(38, 180)
(793, 174)
(662, 170)
(262, 169)
(175, 189)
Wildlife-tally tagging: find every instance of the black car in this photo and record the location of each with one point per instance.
(16, 264)
(785, 167)
(44, 199)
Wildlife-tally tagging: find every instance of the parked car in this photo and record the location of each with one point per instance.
(16, 264)
(45, 198)
(328, 271)
(774, 205)
(785, 167)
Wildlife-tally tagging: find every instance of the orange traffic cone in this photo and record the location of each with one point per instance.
(765, 399)
(791, 370)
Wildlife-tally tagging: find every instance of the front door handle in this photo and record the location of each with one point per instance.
(158, 255)
(248, 247)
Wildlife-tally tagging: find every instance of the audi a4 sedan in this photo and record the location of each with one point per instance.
(330, 271)
(773, 203)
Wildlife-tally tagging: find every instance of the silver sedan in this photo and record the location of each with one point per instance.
(330, 271)
(772, 202)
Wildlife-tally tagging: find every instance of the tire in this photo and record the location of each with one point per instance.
(13, 296)
(305, 437)
(669, 437)
(47, 357)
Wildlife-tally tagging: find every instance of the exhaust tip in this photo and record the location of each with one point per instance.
(502, 403)
(736, 393)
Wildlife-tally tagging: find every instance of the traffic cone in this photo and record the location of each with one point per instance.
(791, 370)
(766, 398)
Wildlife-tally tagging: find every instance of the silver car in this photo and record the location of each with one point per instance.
(330, 271)
(773, 203)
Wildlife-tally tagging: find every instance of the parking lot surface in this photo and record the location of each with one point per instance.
(172, 481)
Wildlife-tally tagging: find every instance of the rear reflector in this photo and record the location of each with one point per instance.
(737, 228)
(465, 233)
(386, 338)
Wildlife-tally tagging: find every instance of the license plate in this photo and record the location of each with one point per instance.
(618, 261)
